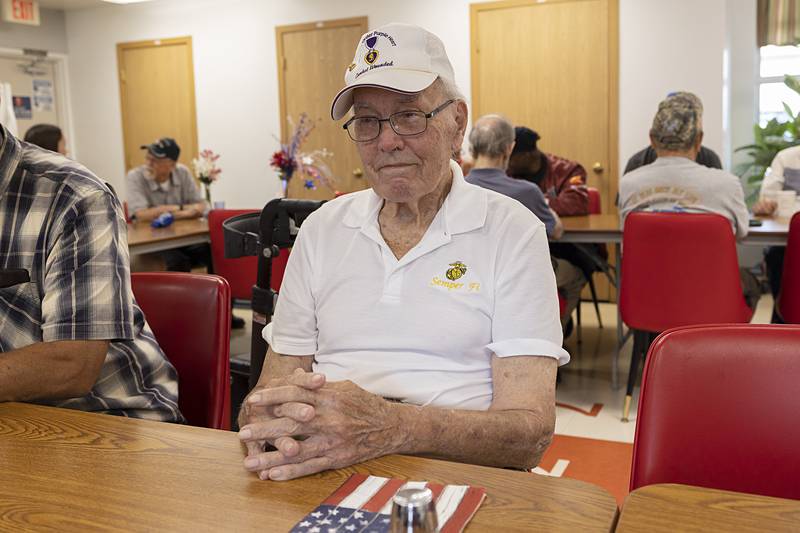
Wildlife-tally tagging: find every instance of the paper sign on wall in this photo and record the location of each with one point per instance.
(21, 12)
(22, 107)
(42, 95)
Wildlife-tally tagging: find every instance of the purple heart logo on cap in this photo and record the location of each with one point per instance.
(371, 41)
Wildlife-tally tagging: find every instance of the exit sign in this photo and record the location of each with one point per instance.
(21, 11)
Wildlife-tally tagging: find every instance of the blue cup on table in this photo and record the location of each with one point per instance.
(163, 220)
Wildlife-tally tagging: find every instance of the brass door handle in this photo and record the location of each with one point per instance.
(597, 167)
(358, 173)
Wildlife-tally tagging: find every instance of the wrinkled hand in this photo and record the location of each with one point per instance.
(253, 413)
(765, 207)
(345, 425)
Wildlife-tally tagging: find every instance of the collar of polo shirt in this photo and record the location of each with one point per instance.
(460, 217)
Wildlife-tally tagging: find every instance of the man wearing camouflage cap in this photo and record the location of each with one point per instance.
(705, 156)
(674, 182)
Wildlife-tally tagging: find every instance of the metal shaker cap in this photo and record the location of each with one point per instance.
(413, 497)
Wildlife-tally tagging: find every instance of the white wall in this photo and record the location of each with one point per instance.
(664, 46)
(50, 35)
(743, 68)
(669, 46)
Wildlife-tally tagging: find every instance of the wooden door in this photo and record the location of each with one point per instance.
(552, 66)
(312, 59)
(156, 84)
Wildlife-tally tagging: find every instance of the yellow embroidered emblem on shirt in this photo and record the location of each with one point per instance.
(458, 269)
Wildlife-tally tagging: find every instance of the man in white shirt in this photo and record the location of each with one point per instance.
(675, 182)
(419, 316)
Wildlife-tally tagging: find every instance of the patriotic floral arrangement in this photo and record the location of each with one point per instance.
(289, 160)
(206, 170)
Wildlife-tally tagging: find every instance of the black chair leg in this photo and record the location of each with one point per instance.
(636, 355)
(578, 316)
(594, 299)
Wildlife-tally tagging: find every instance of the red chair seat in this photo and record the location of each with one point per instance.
(190, 315)
(719, 408)
(680, 269)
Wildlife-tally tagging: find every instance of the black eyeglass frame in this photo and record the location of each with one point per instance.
(388, 119)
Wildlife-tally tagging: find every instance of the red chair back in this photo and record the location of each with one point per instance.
(719, 408)
(789, 298)
(680, 269)
(190, 315)
(240, 272)
(595, 207)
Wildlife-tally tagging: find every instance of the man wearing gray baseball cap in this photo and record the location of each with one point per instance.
(419, 316)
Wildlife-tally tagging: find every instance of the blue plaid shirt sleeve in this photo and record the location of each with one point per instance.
(87, 293)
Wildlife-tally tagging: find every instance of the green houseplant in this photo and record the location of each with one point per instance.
(769, 140)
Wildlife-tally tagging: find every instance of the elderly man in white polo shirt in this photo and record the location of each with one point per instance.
(419, 316)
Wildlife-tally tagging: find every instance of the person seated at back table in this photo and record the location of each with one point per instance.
(674, 182)
(705, 156)
(782, 175)
(162, 185)
(419, 316)
(73, 335)
(562, 181)
(491, 141)
(48, 137)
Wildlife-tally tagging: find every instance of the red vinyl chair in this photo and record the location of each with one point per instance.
(678, 269)
(595, 207)
(719, 409)
(190, 315)
(240, 272)
(789, 298)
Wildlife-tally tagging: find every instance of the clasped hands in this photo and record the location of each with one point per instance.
(315, 425)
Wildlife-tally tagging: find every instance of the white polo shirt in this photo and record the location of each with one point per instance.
(421, 329)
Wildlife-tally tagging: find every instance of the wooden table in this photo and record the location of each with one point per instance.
(671, 508)
(606, 229)
(143, 239)
(69, 470)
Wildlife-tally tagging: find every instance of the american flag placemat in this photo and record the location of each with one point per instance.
(363, 505)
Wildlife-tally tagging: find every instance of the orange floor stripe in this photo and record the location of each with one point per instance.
(601, 462)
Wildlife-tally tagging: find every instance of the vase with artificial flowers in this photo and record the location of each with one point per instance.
(290, 161)
(207, 171)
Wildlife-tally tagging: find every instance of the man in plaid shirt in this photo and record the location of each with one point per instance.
(73, 335)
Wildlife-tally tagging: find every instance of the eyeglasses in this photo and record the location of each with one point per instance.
(412, 122)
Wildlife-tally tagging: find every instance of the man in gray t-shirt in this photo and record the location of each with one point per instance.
(675, 182)
(162, 185)
(492, 140)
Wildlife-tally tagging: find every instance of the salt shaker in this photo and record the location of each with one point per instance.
(414, 511)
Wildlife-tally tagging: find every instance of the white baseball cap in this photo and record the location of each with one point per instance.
(399, 57)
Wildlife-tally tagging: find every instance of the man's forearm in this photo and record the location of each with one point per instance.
(513, 438)
(191, 211)
(150, 213)
(51, 370)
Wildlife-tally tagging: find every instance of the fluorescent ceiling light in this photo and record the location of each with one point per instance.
(125, 1)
